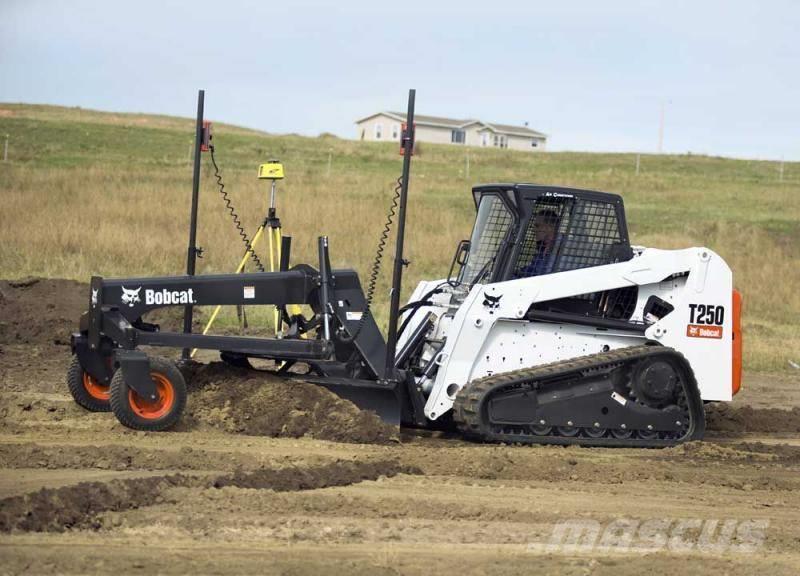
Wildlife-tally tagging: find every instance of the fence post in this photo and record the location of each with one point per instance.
(780, 170)
(638, 157)
(330, 158)
(467, 165)
(5, 151)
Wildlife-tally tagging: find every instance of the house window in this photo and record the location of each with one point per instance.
(395, 131)
(484, 139)
(457, 136)
(496, 140)
(534, 144)
(378, 131)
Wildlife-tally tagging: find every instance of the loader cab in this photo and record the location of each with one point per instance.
(524, 230)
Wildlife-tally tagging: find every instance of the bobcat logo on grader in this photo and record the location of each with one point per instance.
(131, 297)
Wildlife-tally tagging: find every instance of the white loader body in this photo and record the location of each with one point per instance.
(489, 330)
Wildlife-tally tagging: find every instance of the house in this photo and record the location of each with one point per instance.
(386, 127)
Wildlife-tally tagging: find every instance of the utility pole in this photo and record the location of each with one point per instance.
(638, 157)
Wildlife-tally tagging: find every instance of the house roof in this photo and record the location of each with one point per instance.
(519, 130)
(443, 122)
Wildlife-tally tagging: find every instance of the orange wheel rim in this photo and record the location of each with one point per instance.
(158, 408)
(95, 389)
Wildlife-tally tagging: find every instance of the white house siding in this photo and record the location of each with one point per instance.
(524, 143)
(476, 134)
(434, 134)
(367, 129)
(473, 134)
(484, 137)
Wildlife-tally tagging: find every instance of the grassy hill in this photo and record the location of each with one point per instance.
(90, 192)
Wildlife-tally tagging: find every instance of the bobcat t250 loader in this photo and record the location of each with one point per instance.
(550, 328)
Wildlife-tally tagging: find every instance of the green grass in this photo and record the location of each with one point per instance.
(97, 193)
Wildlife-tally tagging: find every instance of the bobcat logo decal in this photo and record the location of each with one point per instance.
(491, 302)
(131, 297)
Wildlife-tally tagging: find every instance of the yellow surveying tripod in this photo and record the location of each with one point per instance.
(273, 171)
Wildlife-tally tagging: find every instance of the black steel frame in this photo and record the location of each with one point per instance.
(345, 353)
(520, 199)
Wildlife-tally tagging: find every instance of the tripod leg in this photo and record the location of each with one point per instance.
(239, 269)
(274, 259)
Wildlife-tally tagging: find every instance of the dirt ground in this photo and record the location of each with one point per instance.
(269, 476)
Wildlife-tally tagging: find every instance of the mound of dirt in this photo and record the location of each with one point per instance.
(260, 404)
(59, 509)
(47, 311)
(40, 310)
(740, 419)
(77, 506)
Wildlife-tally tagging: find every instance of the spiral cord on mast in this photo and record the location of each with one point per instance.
(234, 216)
(376, 264)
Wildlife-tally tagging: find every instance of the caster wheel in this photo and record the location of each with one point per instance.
(139, 413)
(86, 390)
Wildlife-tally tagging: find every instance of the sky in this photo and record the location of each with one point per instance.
(593, 75)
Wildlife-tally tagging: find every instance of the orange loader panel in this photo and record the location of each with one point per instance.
(736, 383)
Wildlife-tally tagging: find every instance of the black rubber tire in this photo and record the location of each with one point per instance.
(126, 413)
(82, 397)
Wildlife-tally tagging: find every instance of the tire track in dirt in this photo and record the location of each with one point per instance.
(77, 506)
(118, 457)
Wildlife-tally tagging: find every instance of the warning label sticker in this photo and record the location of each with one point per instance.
(697, 331)
(249, 292)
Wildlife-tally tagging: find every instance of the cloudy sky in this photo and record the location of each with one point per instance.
(594, 75)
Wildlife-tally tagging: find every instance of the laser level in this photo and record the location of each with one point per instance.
(272, 170)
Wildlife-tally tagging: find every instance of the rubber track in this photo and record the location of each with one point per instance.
(468, 402)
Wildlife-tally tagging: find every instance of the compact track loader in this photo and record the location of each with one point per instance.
(550, 328)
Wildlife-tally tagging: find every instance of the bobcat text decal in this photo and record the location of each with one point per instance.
(167, 297)
(161, 297)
